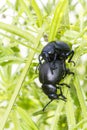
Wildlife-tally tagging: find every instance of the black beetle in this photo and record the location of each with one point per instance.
(56, 50)
(50, 81)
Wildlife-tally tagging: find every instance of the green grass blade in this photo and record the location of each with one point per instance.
(38, 12)
(57, 115)
(80, 96)
(17, 31)
(82, 122)
(70, 112)
(25, 8)
(58, 14)
(15, 120)
(16, 91)
(20, 80)
(26, 118)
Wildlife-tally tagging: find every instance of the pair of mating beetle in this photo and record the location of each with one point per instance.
(52, 68)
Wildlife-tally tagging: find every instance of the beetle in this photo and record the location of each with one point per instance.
(56, 50)
(51, 81)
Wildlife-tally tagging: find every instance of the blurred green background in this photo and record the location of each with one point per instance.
(26, 26)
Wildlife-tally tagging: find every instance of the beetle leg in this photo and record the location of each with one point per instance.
(52, 65)
(61, 93)
(39, 58)
(71, 53)
(55, 57)
(68, 72)
(64, 98)
(65, 85)
(51, 68)
(46, 58)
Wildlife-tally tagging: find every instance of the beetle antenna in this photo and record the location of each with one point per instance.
(47, 105)
(64, 99)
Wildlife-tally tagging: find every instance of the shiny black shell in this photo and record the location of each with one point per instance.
(46, 76)
(57, 46)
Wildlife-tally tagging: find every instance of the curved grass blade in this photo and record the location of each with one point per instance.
(38, 12)
(17, 31)
(58, 14)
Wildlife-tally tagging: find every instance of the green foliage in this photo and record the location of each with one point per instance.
(23, 33)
